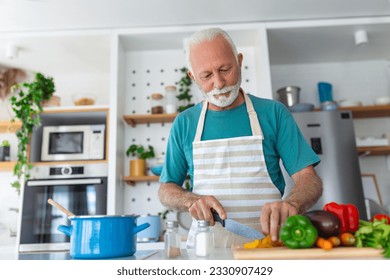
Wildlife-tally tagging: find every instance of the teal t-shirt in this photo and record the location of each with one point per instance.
(282, 139)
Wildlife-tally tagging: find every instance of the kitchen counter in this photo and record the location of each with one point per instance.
(150, 251)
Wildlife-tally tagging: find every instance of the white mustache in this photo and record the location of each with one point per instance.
(217, 91)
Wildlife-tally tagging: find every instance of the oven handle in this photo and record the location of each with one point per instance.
(36, 183)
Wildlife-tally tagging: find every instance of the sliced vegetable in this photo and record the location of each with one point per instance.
(348, 214)
(347, 239)
(251, 245)
(374, 234)
(298, 232)
(326, 223)
(324, 243)
(381, 217)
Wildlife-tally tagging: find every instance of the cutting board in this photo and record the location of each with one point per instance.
(285, 253)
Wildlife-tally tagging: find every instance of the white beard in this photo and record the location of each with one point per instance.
(214, 96)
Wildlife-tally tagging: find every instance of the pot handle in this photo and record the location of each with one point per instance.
(65, 229)
(140, 228)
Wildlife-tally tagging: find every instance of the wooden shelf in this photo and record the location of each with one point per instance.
(133, 120)
(372, 111)
(7, 165)
(132, 180)
(374, 150)
(9, 127)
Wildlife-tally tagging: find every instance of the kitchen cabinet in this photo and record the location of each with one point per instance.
(76, 115)
(373, 111)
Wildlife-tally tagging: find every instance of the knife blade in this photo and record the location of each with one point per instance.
(237, 228)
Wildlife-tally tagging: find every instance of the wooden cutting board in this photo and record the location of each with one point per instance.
(285, 253)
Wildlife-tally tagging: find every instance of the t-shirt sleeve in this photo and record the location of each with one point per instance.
(175, 164)
(294, 151)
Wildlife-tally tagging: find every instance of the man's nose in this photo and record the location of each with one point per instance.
(219, 81)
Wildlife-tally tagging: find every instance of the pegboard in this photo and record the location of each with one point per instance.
(148, 72)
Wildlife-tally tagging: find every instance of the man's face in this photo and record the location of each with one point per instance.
(216, 71)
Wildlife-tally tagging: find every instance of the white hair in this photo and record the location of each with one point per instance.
(208, 35)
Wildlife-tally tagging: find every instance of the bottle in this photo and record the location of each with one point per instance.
(157, 103)
(170, 99)
(172, 239)
(204, 239)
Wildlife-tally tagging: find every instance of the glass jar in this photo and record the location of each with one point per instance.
(204, 239)
(172, 240)
(170, 99)
(157, 103)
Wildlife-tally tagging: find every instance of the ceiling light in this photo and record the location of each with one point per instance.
(12, 51)
(361, 37)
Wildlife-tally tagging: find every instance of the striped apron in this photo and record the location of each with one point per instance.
(233, 170)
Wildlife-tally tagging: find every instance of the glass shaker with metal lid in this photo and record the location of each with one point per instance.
(204, 239)
(172, 239)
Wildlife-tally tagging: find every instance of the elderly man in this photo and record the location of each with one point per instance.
(230, 145)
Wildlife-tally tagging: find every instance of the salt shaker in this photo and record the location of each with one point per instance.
(170, 99)
(172, 239)
(204, 239)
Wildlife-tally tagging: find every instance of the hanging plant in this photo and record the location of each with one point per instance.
(184, 90)
(26, 105)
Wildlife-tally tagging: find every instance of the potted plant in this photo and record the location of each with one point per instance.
(184, 96)
(26, 104)
(5, 150)
(138, 166)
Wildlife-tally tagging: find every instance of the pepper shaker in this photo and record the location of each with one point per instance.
(172, 240)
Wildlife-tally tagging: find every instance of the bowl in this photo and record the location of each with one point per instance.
(383, 100)
(83, 99)
(289, 95)
(156, 170)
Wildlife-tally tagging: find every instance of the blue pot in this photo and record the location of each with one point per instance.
(99, 237)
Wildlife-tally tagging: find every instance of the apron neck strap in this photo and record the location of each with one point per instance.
(254, 122)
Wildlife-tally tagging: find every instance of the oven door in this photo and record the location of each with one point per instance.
(39, 220)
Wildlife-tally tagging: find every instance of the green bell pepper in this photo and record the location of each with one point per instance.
(298, 232)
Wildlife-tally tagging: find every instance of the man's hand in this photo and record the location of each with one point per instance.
(273, 216)
(200, 209)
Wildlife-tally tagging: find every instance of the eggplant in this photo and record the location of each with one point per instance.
(327, 223)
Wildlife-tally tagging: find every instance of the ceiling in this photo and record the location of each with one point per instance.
(34, 15)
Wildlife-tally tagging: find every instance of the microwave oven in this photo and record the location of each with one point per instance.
(73, 142)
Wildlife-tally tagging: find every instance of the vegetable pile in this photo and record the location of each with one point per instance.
(335, 225)
(374, 234)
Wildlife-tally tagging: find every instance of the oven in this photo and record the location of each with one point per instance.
(81, 188)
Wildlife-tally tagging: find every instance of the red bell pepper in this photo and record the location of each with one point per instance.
(381, 217)
(348, 215)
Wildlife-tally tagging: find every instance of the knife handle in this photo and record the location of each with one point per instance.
(217, 218)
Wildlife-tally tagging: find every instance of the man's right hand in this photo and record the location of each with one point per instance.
(200, 209)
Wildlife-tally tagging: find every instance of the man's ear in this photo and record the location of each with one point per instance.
(189, 73)
(240, 58)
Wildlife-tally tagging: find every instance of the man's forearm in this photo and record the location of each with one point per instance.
(306, 192)
(175, 197)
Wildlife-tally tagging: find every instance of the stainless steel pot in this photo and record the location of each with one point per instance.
(289, 95)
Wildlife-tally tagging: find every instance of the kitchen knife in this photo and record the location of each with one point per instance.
(237, 228)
